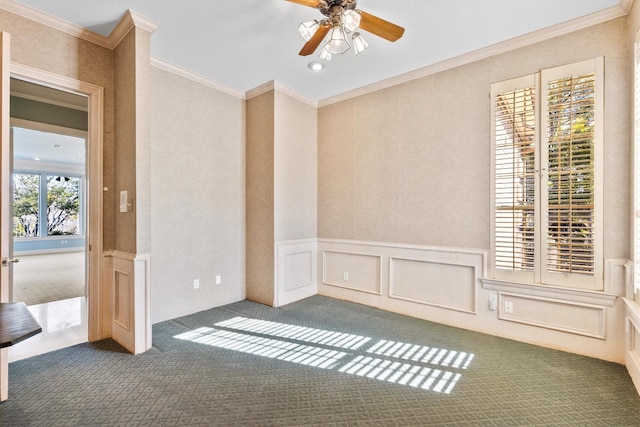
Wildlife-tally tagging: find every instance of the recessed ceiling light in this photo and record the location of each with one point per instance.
(36, 158)
(57, 146)
(315, 65)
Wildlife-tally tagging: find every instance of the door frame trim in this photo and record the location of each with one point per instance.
(98, 301)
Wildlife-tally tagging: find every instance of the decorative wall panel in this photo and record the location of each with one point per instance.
(576, 318)
(356, 271)
(434, 283)
(632, 344)
(296, 271)
(122, 299)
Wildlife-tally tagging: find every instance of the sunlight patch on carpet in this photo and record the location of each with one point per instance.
(395, 362)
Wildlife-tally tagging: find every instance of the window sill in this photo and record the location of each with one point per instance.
(548, 291)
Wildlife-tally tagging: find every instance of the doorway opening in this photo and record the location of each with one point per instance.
(50, 213)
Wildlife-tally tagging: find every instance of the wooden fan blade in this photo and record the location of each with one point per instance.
(380, 27)
(315, 40)
(310, 3)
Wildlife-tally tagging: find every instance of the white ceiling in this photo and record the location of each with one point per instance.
(32, 145)
(243, 44)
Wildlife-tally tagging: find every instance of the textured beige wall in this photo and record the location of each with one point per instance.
(143, 141)
(411, 164)
(198, 196)
(44, 48)
(125, 142)
(260, 198)
(295, 173)
(281, 183)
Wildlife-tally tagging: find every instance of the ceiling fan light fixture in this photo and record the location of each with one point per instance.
(359, 43)
(324, 53)
(342, 17)
(350, 20)
(308, 29)
(337, 41)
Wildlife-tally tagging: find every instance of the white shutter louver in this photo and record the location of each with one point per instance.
(514, 180)
(570, 168)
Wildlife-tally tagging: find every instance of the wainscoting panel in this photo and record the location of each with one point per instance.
(576, 318)
(296, 271)
(130, 293)
(123, 295)
(123, 284)
(356, 271)
(439, 284)
(632, 344)
(451, 285)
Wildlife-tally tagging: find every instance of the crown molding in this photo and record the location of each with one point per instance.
(259, 90)
(205, 81)
(484, 53)
(54, 22)
(129, 21)
(282, 88)
(626, 5)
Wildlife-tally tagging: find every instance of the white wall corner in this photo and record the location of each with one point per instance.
(142, 277)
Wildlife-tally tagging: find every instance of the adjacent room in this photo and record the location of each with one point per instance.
(321, 212)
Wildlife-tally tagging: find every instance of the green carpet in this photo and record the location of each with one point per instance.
(317, 362)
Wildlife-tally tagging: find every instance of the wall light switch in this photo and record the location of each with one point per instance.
(493, 302)
(124, 195)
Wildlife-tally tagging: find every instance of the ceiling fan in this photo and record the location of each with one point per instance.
(342, 18)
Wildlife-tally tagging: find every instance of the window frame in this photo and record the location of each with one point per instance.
(43, 205)
(539, 82)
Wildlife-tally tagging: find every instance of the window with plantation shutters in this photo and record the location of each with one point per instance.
(515, 130)
(546, 146)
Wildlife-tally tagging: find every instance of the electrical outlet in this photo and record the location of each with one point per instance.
(218, 280)
(508, 307)
(196, 284)
(345, 276)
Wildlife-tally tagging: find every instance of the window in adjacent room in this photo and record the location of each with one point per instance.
(46, 204)
(547, 143)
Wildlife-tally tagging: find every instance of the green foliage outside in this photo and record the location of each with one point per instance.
(62, 209)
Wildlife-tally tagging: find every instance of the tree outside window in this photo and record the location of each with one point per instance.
(62, 201)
